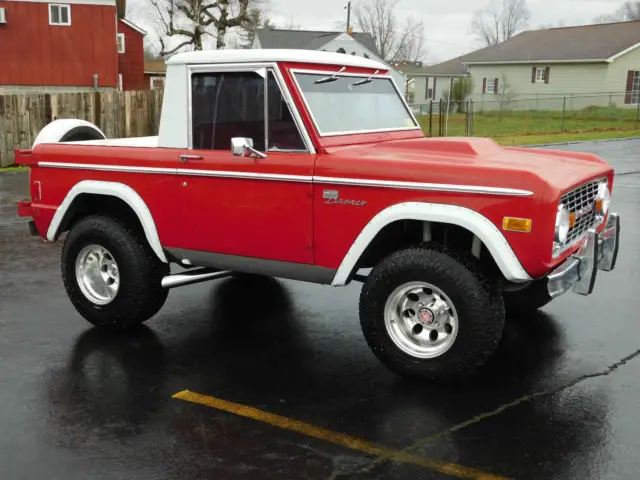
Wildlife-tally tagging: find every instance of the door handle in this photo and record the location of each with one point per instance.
(186, 158)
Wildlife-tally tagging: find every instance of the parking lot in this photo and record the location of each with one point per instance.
(257, 379)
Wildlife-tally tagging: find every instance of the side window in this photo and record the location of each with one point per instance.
(232, 104)
(227, 105)
(283, 134)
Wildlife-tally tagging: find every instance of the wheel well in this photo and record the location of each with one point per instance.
(89, 204)
(409, 233)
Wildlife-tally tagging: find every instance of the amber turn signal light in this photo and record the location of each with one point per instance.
(599, 205)
(572, 220)
(516, 224)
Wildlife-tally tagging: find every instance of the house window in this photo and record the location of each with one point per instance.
(491, 85)
(59, 14)
(120, 42)
(429, 92)
(635, 89)
(156, 82)
(540, 74)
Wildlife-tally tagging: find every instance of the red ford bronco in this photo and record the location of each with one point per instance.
(310, 166)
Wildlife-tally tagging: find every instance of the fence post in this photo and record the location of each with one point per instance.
(638, 114)
(440, 117)
(431, 117)
(564, 107)
(472, 109)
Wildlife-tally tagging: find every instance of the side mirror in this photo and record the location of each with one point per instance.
(243, 147)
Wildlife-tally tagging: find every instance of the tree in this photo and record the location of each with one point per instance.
(395, 41)
(628, 12)
(500, 20)
(460, 91)
(196, 19)
(255, 20)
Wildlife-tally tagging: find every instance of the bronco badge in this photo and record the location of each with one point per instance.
(331, 197)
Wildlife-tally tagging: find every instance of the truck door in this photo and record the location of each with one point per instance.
(251, 203)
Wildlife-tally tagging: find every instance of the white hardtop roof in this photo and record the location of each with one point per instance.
(274, 55)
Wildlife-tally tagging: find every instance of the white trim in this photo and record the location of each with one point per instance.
(120, 82)
(360, 182)
(155, 77)
(61, 7)
(479, 225)
(438, 187)
(135, 27)
(294, 71)
(113, 189)
(107, 168)
(274, 55)
(121, 35)
(623, 52)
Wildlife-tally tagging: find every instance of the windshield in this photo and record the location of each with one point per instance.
(340, 106)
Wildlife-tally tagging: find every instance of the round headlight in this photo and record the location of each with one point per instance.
(562, 224)
(603, 200)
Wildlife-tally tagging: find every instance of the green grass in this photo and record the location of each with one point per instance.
(14, 168)
(507, 127)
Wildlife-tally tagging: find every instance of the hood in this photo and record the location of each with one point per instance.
(469, 161)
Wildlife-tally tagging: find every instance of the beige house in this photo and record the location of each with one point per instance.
(574, 67)
(433, 82)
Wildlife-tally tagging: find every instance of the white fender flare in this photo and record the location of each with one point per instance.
(55, 131)
(476, 223)
(113, 189)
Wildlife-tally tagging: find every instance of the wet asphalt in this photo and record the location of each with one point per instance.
(559, 400)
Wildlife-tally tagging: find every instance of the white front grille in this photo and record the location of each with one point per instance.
(582, 202)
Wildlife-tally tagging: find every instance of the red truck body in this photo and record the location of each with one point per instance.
(323, 208)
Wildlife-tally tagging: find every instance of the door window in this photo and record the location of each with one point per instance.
(232, 104)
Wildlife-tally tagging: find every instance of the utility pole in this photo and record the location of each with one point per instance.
(349, 16)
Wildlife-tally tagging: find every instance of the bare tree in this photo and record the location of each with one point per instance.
(500, 20)
(256, 19)
(395, 41)
(193, 20)
(628, 12)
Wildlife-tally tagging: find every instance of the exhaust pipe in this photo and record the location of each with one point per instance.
(193, 276)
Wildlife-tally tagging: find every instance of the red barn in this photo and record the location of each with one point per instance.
(130, 48)
(69, 46)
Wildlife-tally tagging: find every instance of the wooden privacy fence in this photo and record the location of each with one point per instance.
(117, 114)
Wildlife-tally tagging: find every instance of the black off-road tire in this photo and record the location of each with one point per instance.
(476, 298)
(527, 300)
(140, 294)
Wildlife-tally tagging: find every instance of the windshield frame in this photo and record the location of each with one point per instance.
(373, 76)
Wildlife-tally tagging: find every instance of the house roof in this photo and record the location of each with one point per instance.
(133, 25)
(309, 39)
(450, 68)
(584, 43)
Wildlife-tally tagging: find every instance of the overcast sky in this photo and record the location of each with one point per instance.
(447, 22)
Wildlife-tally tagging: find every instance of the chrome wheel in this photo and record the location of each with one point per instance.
(421, 320)
(97, 274)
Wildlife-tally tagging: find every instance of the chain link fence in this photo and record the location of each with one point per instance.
(502, 115)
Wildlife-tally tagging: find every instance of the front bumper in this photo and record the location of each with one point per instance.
(599, 251)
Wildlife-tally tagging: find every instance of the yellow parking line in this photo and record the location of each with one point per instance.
(353, 443)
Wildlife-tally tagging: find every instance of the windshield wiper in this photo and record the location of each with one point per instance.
(366, 80)
(332, 78)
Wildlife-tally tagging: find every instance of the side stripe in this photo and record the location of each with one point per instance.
(362, 182)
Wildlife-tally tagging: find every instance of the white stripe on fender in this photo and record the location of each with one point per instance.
(114, 189)
(478, 224)
(359, 182)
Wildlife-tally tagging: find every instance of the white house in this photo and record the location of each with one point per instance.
(353, 43)
(551, 69)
